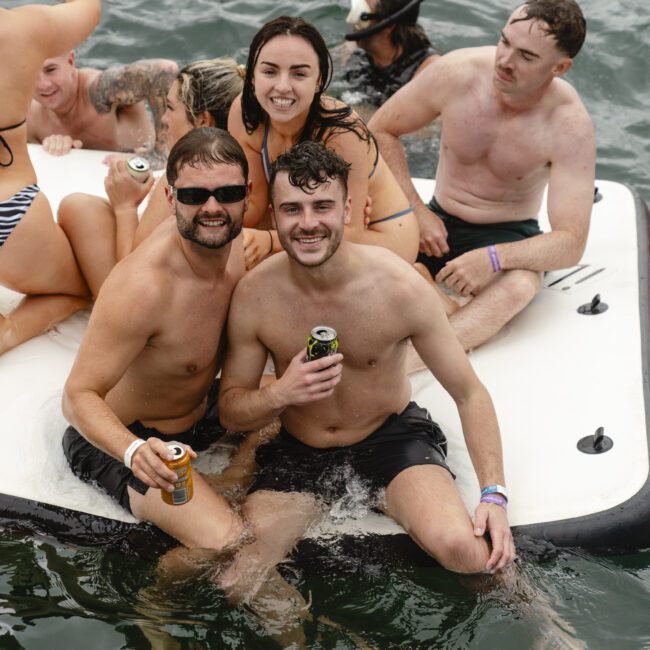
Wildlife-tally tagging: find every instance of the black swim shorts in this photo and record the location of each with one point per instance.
(463, 236)
(91, 464)
(402, 441)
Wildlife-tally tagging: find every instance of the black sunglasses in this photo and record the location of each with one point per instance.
(201, 195)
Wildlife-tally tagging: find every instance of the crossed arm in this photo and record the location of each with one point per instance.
(569, 204)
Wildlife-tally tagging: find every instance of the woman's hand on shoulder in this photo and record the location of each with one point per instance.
(258, 244)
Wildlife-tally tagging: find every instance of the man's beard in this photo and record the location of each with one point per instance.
(190, 229)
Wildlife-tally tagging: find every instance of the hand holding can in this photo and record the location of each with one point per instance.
(179, 463)
(322, 342)
(138, 167)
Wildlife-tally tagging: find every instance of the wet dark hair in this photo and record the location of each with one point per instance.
(566, 23)
(406, 34)
(321, 122)
(309, 165)
(208, 146)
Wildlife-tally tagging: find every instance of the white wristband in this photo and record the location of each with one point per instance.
(130, 450)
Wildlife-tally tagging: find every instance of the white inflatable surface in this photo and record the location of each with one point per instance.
(555, 376)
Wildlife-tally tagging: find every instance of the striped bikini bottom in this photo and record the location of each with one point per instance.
(13, 210)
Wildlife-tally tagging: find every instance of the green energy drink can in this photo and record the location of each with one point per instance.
(138, 167)
(322, 342)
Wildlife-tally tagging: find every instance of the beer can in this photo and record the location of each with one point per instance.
(138, 168)
(322, 342)
(180, 463)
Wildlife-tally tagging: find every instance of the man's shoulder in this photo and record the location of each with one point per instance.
(147, 270)
(477, 58)
(272, 273)
(567, 110)
(88, 77)
(380, 266)
(457, 69)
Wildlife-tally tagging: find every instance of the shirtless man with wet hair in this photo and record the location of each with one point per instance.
(145, 371)
(85, 107)
(511, 127)
(352, 408)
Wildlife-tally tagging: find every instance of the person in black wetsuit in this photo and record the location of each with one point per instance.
(392, 47)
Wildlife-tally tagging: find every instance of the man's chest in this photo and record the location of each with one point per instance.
(509, 146)
(367, 331)
(190, 336)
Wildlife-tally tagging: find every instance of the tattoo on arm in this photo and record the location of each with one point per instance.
(140, 81)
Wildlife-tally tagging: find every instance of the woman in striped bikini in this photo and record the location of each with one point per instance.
(35, 256)
(288, 70)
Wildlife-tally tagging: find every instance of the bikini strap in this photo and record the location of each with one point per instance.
(13, 126)
(5, 144)
(374, 164)
(266, 161)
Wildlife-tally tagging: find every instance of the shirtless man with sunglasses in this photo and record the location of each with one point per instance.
(145, 371)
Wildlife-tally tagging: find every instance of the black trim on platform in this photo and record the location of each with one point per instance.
(624, 527)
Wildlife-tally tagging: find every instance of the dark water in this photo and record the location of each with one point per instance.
(56, 595)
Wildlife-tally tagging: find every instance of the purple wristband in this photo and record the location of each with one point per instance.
(495, 498)
(494, 258)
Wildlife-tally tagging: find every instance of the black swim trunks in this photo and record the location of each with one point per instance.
(91, 464)
(463, 237)
(402, 441)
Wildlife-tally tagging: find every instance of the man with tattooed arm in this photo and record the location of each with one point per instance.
(84, 107)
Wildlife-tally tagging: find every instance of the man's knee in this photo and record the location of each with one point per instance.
(73, 207)
(457, 550)
(521, 286)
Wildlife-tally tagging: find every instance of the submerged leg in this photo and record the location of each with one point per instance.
(278, 521)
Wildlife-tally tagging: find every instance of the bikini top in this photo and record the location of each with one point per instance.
(5, 144)
(266, 160)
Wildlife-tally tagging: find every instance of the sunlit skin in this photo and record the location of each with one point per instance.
(37, 259)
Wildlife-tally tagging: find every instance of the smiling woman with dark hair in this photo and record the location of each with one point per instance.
(283, 102)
